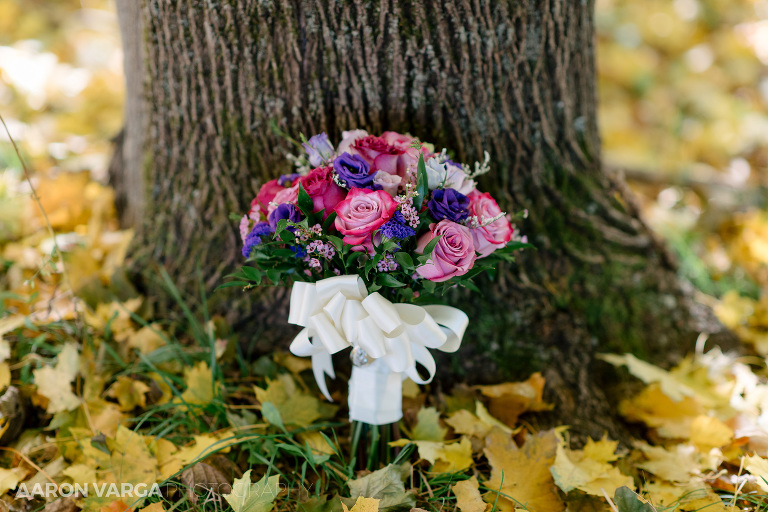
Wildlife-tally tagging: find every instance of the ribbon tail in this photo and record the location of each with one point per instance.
(422, 356)
(453, 322)
(322, 365)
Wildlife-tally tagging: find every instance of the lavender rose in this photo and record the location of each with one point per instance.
(319, 149)
(354, 171)
(454, 254)
(447, 203)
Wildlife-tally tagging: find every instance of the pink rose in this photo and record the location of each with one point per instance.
(349, 138)
(286, 195)
(363, 212)
(265, 196)
(324, 192)
(496, 234)
(454, 254)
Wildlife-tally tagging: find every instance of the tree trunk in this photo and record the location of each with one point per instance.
(515, 78)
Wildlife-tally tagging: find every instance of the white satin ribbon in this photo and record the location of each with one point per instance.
(338, 312)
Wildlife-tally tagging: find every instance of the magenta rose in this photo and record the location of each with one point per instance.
(496, 234)
(324, 192)
(454, 254)
(363, 212)
(286, 195)
(265, 196)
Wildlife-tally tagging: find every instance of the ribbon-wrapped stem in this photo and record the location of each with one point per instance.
(388, 340)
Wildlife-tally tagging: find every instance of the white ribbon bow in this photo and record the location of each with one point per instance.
(338, 312)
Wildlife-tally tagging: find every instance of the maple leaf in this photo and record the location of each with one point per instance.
(9, 479)
(385, 484)
(758, 467)
(477, 425)
(80, 474)
(55, 383)
(132, 461)
(468, 497)
(588, 470)
(147, 339)
(250, 497)
(679, 464)
(363, 505)
(522, 474)
(293, 405)
(428, 426)
(445, 457)
(708, 432)
(654, 408)
(154, 507)
(130, 393)
(199, 381)
(510, 399)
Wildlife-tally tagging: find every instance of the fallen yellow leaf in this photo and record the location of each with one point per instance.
(363, 505)
(468, 497)
(250, 497)
(588, 470)
(523, 473)
(55, 383)
(199, 381)
(708, 432)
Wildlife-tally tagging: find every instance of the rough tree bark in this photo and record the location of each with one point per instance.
(513, 77)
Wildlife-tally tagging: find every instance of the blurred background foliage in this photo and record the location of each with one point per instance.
(683, 88)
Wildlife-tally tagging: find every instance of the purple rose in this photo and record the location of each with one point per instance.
(284, 211)
(319, 149)
(354, 171)
(447, 203)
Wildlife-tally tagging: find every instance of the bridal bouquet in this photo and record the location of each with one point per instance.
(367, 232)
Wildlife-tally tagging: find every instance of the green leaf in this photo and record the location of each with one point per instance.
(404, 259)
(389, 281)
(431, 246)
(305, 202)
(230, 284)
(327, 223)
(336, 241)
(258, 497)
(429, 286)
(385, 484)
(286, 236)
(272, 415)
(368, 266)
(627, 501)
(470, 285)
(422, 183)
(253, 274)
(274, 275)
(353, 256)
(387, 245)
